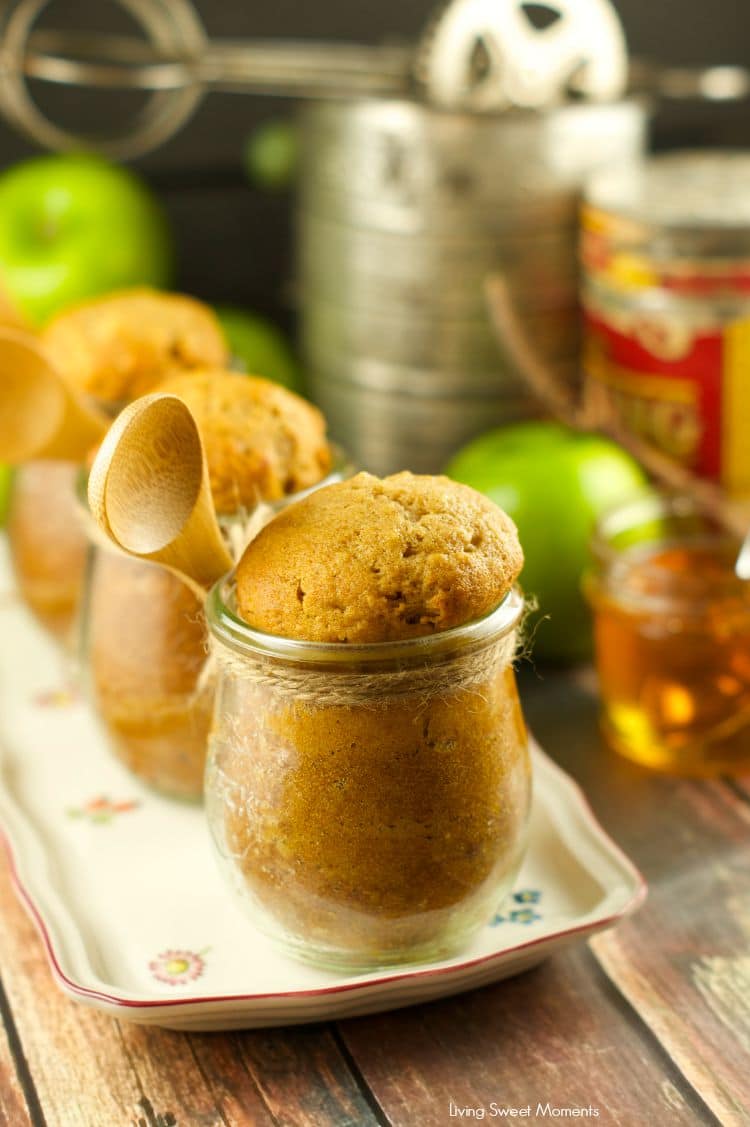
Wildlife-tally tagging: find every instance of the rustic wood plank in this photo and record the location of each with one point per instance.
(175, 1083)
(91, 1070)
(14, 1107)
(290, 1077)
(683, 962)
(559, 1034)
(693, 988)
(283, 1070)
(216, 1058)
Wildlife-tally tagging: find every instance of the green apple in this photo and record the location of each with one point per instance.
(554, 483)
(6, 474)
(259, 348)
(271, 154)
(73, 226)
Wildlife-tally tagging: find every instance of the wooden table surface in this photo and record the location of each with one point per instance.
(646, 1024)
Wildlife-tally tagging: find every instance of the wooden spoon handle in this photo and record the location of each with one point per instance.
(200, 551)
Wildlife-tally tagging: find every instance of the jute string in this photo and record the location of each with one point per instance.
(345, 687)
(238, 531)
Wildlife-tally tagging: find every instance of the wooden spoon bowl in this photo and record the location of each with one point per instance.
(41, 417)
(149, 491)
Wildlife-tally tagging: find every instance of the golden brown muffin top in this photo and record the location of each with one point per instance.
(370, 560)
(120, 346)
(262, 442)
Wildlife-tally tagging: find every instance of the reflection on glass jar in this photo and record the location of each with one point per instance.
(672, 634)
(48, 543)
(369, 803)
(144, 646)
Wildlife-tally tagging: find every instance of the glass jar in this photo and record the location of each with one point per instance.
(369, 803)
(145, 655)
(48, 543)
(672, 637)
(144, 648)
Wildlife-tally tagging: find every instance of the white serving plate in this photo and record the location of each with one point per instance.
(134, 915)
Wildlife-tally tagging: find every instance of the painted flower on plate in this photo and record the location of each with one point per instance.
(525, 915)
(178, 967)
(64, 697)
(527, 896)
(101, 810)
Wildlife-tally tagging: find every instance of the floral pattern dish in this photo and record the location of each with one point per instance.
(136, 920)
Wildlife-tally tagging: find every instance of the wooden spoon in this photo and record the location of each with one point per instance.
(41, 417)
(149, 491)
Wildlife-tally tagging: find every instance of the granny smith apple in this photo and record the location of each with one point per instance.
(73, 226)
(6, 474)
(271, 154)
(259, 348)
(554, 483)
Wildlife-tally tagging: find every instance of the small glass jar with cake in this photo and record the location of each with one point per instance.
(369, 780)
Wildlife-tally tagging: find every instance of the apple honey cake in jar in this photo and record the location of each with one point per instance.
(146, 635)
(369, 780)
(110, 349)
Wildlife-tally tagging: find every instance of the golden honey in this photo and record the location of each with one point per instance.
(672, 637)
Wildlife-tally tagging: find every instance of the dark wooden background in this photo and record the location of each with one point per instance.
(234, 240)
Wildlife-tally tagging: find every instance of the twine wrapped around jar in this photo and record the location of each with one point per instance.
(361, 688)
(368, 675)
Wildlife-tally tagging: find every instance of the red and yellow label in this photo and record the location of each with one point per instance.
(620, 251)
(736, 408)
(684, 387)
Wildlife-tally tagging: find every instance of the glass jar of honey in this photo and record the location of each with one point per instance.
(665, 255)
(672, 637)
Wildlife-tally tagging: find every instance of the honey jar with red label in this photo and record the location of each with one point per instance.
(665, 251)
